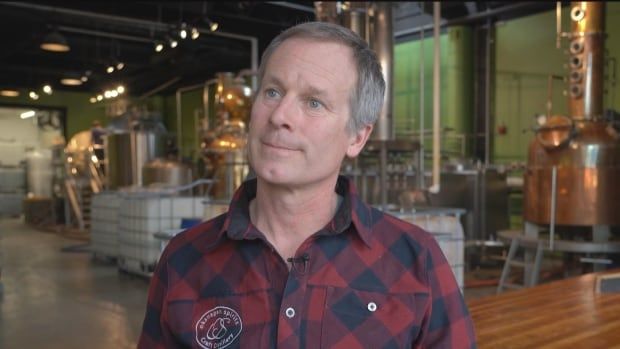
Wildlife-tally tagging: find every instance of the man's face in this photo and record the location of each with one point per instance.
(298, 132)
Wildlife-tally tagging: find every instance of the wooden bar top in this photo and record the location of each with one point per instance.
(561, 314)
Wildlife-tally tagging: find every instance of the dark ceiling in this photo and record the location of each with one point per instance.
(100, 33)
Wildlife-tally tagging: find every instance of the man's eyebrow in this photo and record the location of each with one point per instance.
(308, 89)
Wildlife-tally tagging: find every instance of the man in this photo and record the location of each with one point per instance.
(97, 132)
(299, 261)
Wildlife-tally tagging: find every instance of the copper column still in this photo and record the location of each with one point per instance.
(224, 145)
(584, 148)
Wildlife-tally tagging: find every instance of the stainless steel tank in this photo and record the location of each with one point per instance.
(166, 172)
(584, 148)
(373, 22)
(127, 152)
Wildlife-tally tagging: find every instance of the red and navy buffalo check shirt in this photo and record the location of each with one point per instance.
(366, 280)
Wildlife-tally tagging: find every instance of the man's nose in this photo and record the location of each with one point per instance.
(283, 116)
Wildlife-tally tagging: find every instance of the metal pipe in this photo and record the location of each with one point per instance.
(487, 95)
(554, 177)
(383, 174)
(159, 88)
(382, 44)
(104, 34)
(558, 24)
(435, 187)
(421, 151)
(291, 5)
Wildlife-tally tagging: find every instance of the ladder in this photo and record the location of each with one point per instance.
(512, 262)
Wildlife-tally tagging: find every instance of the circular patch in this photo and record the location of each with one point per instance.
(218, 328)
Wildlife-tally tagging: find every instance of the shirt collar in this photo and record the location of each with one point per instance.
(238, 226)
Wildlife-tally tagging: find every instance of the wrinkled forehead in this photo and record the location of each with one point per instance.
(327, 51)
(319, 63)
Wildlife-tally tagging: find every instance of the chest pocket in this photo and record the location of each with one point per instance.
(364, 319)
(231, 321)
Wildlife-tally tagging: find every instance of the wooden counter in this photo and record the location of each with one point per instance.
(561, 314)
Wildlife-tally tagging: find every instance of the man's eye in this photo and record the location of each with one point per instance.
(314, 104)
(271, 93)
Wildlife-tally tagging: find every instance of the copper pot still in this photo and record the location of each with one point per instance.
(583, 147)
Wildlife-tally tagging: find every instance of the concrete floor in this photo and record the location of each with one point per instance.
(57, 296)
(54, 299)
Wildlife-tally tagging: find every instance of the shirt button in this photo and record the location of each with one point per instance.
(290, 312)
(372, 306)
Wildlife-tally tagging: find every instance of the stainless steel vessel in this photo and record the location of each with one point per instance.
(166, 172)
(127, 152)
(584, 148)
(373, 22)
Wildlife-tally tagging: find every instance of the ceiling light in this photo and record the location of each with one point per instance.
(33, 95)
(173, 43)
(9, 93)
(120, 65)
(159, 47)
(99, 97)
(213, 25)
(120, 89)
(28, 114)
(114, 93)
(84, 78)
(73, 81)
(195, 33)
(183, 31)
(93, 99)
(47, 89)
(107, 94)
(55, 42)
(110, 69)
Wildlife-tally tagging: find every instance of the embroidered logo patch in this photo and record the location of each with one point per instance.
(218, 328)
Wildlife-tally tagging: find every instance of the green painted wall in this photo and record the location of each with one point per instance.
(526, 54)
(456, 86)
(191, 107)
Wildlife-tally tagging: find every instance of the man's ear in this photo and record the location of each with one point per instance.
(358, 140)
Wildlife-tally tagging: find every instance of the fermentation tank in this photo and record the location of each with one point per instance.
(584, 148)
(128, 150)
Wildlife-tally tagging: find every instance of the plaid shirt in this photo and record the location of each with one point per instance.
(366, 280)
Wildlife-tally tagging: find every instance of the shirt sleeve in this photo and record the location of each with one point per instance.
(155, 331)
(447, 322)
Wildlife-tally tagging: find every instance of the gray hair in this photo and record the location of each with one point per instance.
(366, 98)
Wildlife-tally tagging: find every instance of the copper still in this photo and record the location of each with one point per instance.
(584, 149)
(223, 146)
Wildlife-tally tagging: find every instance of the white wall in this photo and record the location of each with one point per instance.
(18, 135)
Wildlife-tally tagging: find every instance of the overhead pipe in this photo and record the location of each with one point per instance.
(435, 187)
(159, 88)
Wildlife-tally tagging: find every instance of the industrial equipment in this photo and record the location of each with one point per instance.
(131, 142)
(223, 133)
(574, 160)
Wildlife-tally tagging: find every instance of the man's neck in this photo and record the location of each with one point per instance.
(288, 216)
